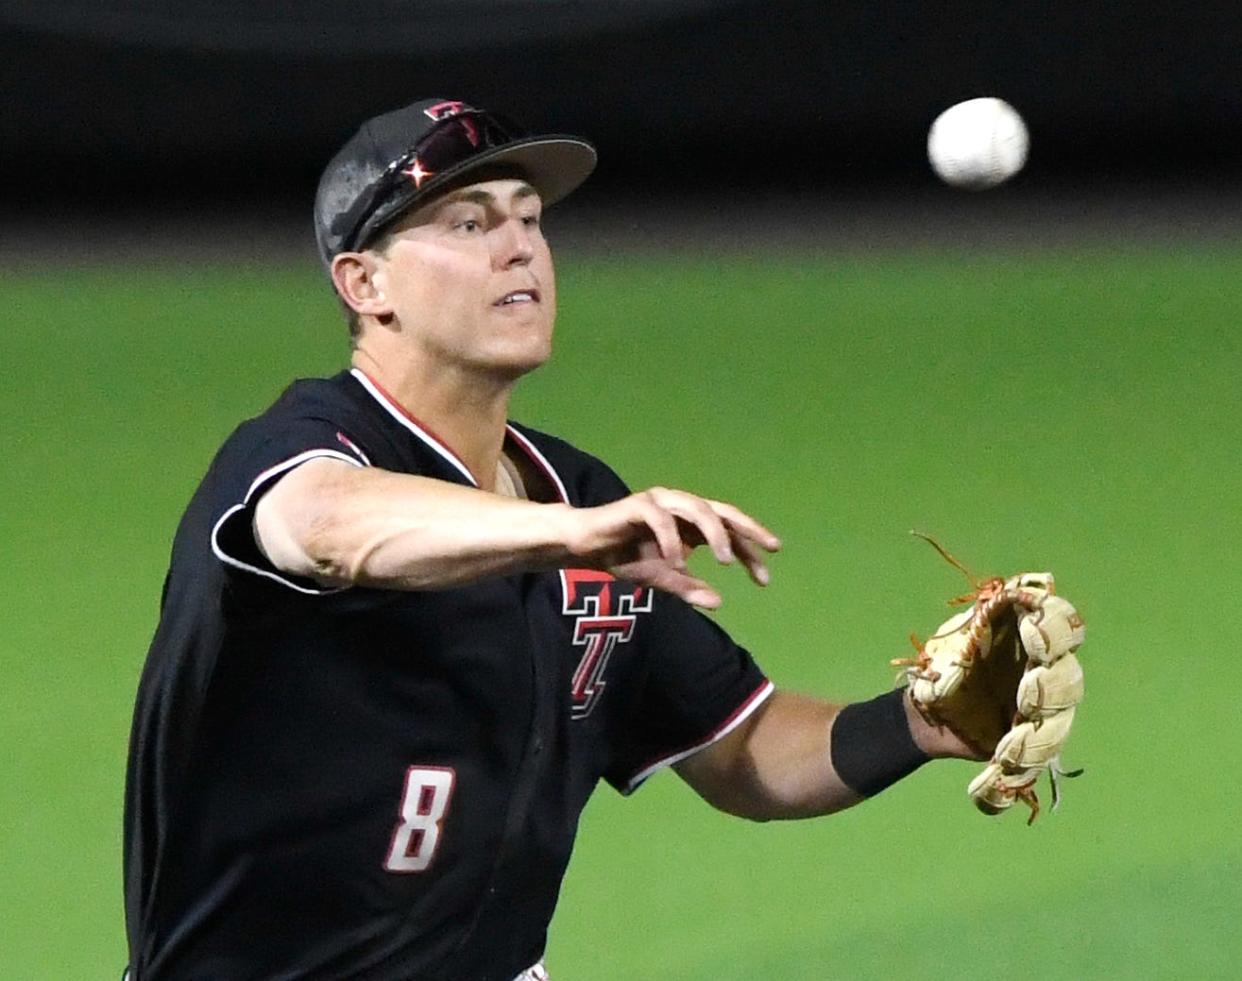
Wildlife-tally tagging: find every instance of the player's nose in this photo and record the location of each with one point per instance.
(512, 244)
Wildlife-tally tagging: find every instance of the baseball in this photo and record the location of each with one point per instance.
(977, 144)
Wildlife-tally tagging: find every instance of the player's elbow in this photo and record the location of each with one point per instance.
(760, 802)
(748, 808)
(308, 548)
(299, 527)
(752, 799)
(734, 784)
(327, 552)
(345, 548)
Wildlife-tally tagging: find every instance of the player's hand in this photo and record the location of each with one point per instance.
(647, 537)
(938, 741)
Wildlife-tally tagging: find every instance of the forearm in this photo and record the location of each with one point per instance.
(803, 757)
(352, 526)
(778, 766)
(788, 770)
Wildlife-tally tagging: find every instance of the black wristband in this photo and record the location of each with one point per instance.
(872, 747)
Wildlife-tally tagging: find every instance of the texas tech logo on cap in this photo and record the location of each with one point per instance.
(604, 616)
(447, 110)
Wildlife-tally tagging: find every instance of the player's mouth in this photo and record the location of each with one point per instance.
(515, 297)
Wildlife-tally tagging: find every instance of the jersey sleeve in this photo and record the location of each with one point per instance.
(250, 464)
(697, 687)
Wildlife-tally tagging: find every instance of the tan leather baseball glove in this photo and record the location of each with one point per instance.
(1003, 675)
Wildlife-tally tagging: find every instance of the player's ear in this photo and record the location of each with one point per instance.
(354, 274)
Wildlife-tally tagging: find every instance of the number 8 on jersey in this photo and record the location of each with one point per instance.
(428, 790)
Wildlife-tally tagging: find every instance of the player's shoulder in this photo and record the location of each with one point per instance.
(316, 398)
(586, 478)
(305, 406)
(331, 399)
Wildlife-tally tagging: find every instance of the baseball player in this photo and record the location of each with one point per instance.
(403, 638)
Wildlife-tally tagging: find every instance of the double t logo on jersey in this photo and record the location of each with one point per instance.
(604, 616)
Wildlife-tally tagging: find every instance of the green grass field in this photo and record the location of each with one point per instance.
(1077, 411)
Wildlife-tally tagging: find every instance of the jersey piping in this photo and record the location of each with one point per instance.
(740, 715)
(540, 461)
(390, 405)
(413, 425)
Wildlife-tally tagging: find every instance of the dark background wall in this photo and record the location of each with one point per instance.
(131, 101)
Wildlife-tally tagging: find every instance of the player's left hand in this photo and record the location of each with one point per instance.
(1001, 680)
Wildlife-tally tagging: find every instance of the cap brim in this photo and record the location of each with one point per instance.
(553, 165)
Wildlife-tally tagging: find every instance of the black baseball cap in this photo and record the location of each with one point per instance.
(403, 157)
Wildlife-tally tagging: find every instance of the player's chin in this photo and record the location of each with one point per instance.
(515, 360)
(520, 344)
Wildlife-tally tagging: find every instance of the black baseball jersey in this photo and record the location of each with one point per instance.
(376, 784)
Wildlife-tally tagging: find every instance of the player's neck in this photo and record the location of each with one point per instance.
(466, 414)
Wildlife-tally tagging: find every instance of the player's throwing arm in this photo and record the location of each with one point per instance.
(344, 525)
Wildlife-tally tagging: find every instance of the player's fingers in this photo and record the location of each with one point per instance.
(693, 590)
(741, 522)
(696, 512)
(752, 560)
(663, 527)
(657, 574)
